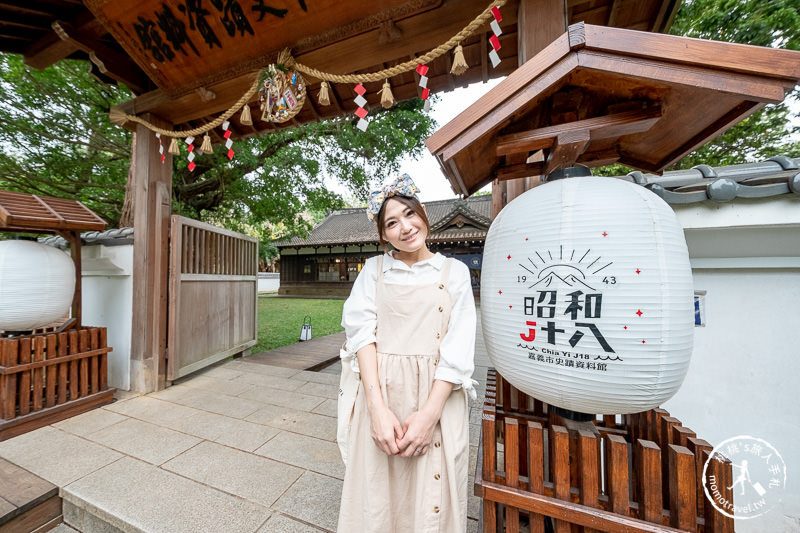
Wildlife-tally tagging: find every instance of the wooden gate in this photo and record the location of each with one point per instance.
(213, 293)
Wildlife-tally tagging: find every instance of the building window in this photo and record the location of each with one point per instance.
(700, 308)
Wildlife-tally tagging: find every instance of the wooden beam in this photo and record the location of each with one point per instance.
(521, 170)
(566, 150)
(50, 48)
(607, 126)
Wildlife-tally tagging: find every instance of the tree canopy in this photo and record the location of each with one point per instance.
(765, 133)
(57, 140)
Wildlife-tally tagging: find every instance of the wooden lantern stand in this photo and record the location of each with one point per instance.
(59, 372)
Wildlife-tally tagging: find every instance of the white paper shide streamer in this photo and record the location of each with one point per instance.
(587, 296)
(37, 283)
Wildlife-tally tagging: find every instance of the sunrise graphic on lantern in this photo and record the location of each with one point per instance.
(586, 296)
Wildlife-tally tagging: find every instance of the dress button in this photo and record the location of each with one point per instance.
(436, 510)
(436, 476)
(441, 308)
(441, 285)
(436, 444)
(437, 335)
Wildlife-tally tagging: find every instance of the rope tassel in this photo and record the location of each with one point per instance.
(323, 98)
(206, 146)
(246, 119)
(460, 65)
(387, 98)
(173, 147)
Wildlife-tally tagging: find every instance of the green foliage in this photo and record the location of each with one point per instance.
(765, 133)
(280, 319)
(57, 140)
(773, 23)
(55, 136)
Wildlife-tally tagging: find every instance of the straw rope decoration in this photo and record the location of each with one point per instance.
(285, 59)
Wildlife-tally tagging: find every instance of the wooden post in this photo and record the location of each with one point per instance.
(151, 212)
(539, 23)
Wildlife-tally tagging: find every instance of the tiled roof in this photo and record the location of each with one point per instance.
(776, 176)
(351, 226)
(111, 237)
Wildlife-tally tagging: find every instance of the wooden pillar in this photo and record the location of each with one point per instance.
(151, 213)
(539, 23)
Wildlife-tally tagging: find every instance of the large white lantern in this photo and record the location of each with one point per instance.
(587, 297)
(37, 283)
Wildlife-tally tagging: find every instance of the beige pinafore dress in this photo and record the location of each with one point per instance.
(420, 494)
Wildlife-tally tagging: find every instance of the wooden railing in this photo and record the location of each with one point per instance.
(48, 377)
(631, 473)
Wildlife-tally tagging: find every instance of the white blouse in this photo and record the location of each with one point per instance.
(457, 348)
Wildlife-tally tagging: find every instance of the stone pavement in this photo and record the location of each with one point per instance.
(242, 446)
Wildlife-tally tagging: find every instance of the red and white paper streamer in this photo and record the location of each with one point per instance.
(228, 141)
(161, 147)
(190, 148)
(494, 40)
(361, 112)
(422, 70)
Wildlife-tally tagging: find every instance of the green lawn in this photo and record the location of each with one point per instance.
(280, 320)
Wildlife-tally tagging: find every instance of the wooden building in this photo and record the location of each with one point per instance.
(328, 261)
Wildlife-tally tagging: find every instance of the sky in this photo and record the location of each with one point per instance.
(425, 171)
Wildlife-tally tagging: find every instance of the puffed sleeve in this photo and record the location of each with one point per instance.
(359, 314)
(457, 350)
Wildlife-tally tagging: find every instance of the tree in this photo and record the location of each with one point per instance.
(57, 140)
(765, 133)
(55, 137)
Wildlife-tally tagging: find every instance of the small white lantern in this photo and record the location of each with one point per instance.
(587, 296)
(37, 283)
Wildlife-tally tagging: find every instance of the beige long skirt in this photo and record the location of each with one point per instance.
(392, 494)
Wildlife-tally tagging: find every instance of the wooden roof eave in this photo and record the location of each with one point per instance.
(750, 76)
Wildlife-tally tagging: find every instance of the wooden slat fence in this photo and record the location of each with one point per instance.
(48, 377)
(635, 473)
(213, 295)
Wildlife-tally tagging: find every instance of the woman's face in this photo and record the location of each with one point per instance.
(402, 227)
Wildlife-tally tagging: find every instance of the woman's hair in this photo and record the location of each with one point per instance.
(411, 203)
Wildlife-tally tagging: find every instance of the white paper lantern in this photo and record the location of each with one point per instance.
(587, 296)
(37, 283)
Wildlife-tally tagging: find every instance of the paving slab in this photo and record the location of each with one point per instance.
(143, 440)
(271, 381)
(303, 422)
(318, 377)
(314, 499)
(215, 402)
(89, 422)
(327, 408)
(55, 455)
(249, 476)
(305, 452)
(321, 389)
(246, 365)
(283, 398)
(136, 496)
(283, 524)
(231, 387)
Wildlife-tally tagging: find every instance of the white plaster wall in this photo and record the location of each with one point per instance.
(107, 296)
(744, 376)
(269, 281)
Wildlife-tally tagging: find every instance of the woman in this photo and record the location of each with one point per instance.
(410, 327)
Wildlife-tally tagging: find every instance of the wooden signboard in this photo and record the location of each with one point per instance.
(184, 44)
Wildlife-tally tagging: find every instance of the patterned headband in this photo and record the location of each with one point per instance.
(402, 185)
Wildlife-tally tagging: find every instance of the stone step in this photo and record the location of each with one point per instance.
(28, 503)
